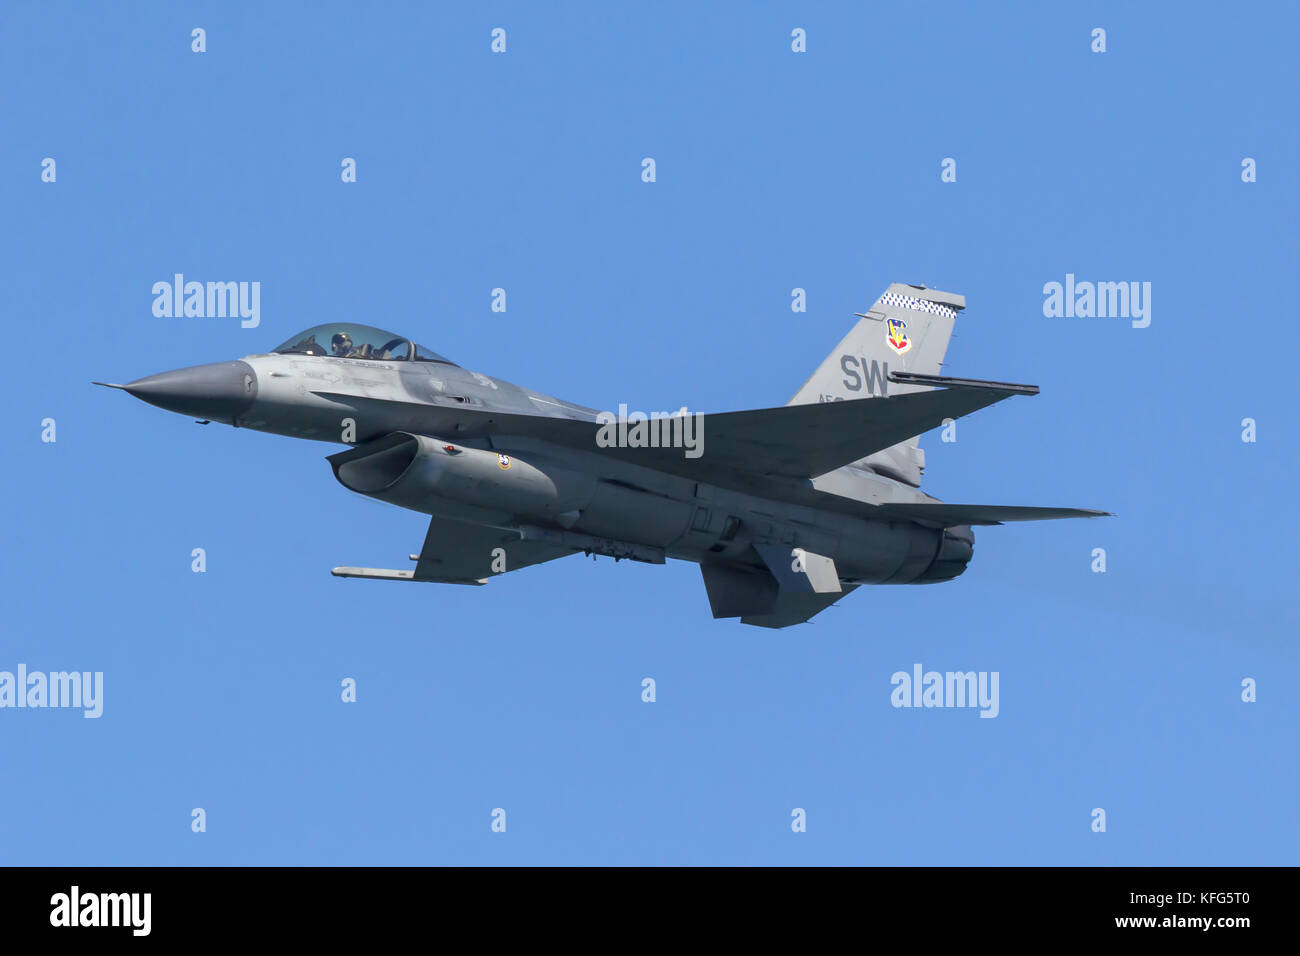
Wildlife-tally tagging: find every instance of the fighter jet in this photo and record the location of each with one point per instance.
(785, 510)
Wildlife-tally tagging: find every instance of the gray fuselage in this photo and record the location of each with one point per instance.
(586, 492)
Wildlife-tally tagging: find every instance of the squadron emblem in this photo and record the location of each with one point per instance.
(896, 335)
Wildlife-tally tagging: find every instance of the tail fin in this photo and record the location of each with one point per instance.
(907, 330)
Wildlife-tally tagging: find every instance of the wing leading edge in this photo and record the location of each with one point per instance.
(944, 515)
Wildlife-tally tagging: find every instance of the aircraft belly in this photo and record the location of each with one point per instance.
(862, 552)
(627, 514)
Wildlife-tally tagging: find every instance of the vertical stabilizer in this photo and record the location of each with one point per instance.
(907, 330)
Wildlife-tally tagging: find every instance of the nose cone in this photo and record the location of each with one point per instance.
(221, 392)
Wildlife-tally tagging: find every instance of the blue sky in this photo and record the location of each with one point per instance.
(775, 170)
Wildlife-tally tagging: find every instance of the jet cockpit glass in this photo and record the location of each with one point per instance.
(358, 342)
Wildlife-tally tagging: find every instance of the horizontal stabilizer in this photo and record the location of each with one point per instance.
(943, 515)
(943, 381)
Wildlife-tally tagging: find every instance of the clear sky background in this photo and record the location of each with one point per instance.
(776, 170)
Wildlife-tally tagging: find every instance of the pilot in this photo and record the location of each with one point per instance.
(341, 345)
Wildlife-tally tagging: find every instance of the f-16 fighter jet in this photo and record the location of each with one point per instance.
(785, 509)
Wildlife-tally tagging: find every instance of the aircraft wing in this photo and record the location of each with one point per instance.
(944, 515)
(458, 553)
(792, 442)
(803, 441)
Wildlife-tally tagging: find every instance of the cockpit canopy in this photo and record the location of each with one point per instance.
(358, 342)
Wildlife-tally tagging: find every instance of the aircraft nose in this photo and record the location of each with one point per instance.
(222, 391)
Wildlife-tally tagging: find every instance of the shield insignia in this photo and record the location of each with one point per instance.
(896, 335)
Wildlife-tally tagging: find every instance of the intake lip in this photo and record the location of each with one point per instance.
(377, 465)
